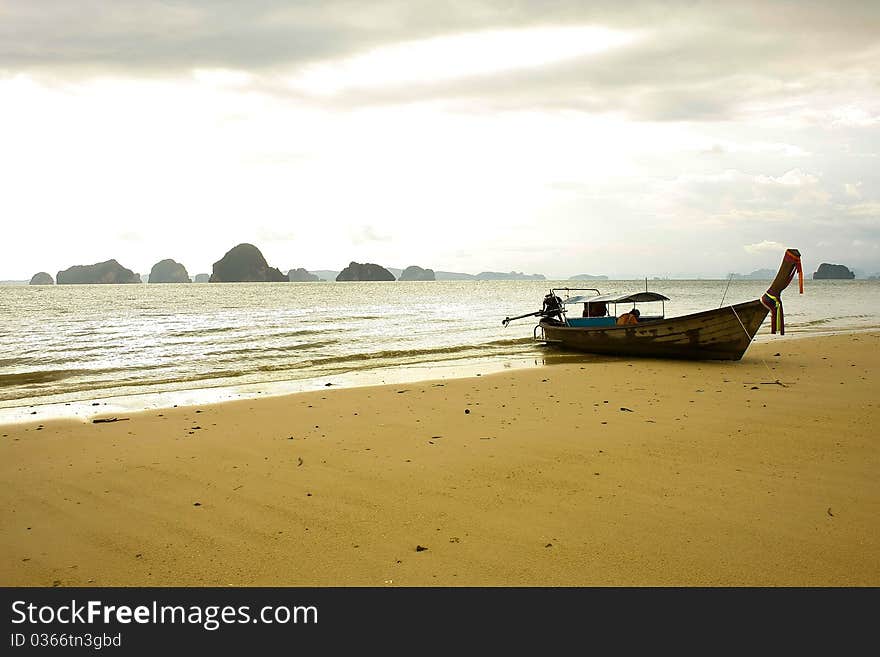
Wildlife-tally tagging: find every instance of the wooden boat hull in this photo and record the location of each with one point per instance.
(720, 334)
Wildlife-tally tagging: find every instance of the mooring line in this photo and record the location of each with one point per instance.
(750, 337)
(724, 296)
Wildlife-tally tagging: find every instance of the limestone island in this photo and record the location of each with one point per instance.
(757, 275)
(325, 274)
(168, 271)
(364, 272)
(512, 276)
(833, 272)
(42, 278)
(415, 273)
(106, 272)
(588, 277)
(453, 276)
(201, 278)
(300, 275)
(245, 264)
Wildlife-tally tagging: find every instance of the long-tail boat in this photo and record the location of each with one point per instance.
(723, 333)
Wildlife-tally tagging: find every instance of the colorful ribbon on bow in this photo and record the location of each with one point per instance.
(772, 299)
(777, 316)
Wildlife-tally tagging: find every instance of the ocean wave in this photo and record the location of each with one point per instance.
(7, 362)
(250, 333)
(428, 354)
(296, 334)
(261, 351)
(204, 331)
(512, 342)
(36, 377)
(105, 386)
(41, 376)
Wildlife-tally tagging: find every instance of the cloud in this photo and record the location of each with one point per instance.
(691, 62)
(727, 147)
(733, 196)
(869, 210)
(793, 178)
(854, 116)
(365, 234)
(450, 57)
(764, 247)
(709, 125)
(130, 236)
(853, 190)
(269, 234)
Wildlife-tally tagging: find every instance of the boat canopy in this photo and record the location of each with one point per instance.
(637, 297)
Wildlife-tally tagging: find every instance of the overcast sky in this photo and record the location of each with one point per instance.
(678, 139)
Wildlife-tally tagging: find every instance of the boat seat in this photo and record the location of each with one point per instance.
(591, 321)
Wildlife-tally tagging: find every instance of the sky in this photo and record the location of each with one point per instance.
(630, 139)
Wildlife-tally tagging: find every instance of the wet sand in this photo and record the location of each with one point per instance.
(604, 473)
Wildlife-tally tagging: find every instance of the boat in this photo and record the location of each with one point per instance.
(723, 333)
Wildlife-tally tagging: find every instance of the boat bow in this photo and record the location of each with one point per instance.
(772, 298)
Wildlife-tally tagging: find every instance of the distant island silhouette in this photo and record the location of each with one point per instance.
(757, 275)
(365, 272)
(833, 272)
(108, 271)
(416, 273)
(168, 271)
(246, 263)
(300, 275)
(511, 276)
(42, 278)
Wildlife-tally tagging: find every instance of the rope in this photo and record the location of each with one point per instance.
(751, 337)
(724, 296)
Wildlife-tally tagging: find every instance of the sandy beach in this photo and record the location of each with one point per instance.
(613, 473)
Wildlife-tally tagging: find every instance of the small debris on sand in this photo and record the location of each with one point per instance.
(420, 548)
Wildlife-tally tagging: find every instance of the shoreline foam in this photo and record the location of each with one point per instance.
(97, 404)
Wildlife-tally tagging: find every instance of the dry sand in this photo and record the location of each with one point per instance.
(612, 473)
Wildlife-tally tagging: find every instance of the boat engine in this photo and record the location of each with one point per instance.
(551, 312)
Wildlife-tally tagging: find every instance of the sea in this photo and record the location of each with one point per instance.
(79, 350)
